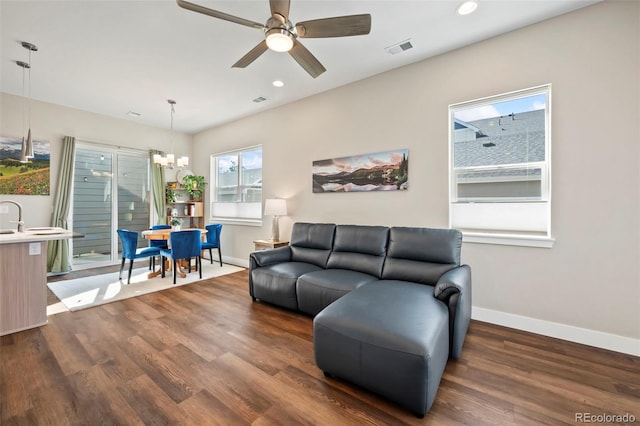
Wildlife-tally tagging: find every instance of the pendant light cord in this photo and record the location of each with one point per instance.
(24, 100)
(29, 88)
(173, 111)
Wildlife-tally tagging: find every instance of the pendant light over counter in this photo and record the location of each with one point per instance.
(26, 152)
(169, 160)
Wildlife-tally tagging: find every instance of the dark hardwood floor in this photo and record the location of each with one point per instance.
(205, 354)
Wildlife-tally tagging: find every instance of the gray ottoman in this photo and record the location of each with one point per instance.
(390, 337)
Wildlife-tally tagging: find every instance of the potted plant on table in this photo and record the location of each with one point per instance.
(175, 223)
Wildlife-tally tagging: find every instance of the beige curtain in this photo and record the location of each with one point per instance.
(158, 185)
(58, 259)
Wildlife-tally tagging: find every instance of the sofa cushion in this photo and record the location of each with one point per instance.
(312, 242)
(425, 244)
(421, 255)
(359, 248)
(277, 283)
(316, 290)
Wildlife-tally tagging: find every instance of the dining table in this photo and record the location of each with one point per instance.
(165, 234)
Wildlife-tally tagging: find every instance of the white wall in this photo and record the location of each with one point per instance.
(590, 279)
(53, 122)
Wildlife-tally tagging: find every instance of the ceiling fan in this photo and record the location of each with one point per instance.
(282, 36)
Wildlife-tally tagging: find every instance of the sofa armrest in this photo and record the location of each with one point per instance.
(264, 258)
(269, 257)
(454, 289)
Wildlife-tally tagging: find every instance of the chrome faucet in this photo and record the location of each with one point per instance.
(17, 204)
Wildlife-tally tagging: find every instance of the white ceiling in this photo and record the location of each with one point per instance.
(111, 57)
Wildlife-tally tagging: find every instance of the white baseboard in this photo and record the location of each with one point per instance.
(612, 342)
(235, 261)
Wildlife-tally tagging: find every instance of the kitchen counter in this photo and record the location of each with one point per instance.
(23, 277)
(38, 234)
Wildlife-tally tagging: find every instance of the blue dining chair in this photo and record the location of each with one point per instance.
(158, 243)
(184, 245)
(130, 250)
(213, 240)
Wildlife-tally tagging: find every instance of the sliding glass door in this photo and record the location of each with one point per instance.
(133, 193)
(110, 191)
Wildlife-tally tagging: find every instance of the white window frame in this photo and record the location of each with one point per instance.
(506, 221)
(238, 212)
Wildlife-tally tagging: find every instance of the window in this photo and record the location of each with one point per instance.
(236, 190)
(500, 172)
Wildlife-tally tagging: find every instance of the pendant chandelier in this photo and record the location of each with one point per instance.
(170, 160)
(26, 152)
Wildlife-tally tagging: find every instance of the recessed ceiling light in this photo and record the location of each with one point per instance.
(278, 83)
(467, 7)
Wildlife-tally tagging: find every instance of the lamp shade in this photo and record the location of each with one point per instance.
(275, 207)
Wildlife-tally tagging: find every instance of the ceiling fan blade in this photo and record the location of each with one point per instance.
(217, 14)
(306, 59)
(281, 7)
(340, 26)
(252, 55)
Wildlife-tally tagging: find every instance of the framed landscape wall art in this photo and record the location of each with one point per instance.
(380, 171)
(18, 178)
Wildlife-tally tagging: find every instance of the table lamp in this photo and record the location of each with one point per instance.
(275, 207)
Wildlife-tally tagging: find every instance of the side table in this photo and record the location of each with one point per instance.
(269, 244)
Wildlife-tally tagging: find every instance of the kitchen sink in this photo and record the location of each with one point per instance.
(45, 230)
(7, 231)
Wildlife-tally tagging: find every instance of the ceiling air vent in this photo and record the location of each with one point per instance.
(399, 47)
(259, 99)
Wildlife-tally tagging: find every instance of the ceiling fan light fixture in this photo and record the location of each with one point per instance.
(281, 35)
(279, 40)
(467, 7)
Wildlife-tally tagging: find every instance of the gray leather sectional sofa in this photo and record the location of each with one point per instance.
(390, 305)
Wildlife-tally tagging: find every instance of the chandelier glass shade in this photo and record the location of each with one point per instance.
(169, 160)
